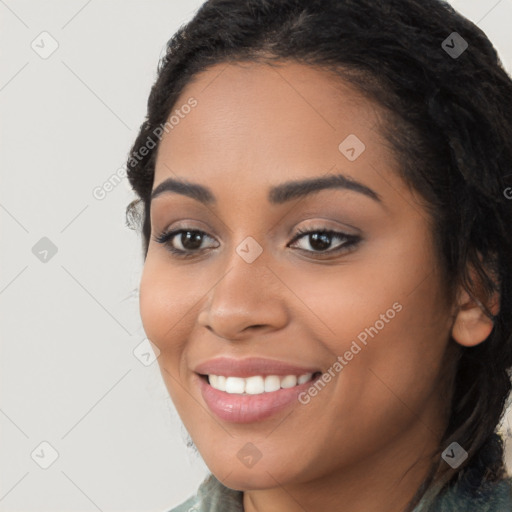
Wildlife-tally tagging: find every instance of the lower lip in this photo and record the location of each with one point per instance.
(239, 408)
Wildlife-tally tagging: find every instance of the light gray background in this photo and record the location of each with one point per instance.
(69, 325)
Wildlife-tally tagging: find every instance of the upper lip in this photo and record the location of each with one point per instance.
(248, 367)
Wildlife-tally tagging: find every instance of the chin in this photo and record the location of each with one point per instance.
(260, 476)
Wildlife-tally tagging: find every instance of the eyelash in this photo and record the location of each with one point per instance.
(351, 241)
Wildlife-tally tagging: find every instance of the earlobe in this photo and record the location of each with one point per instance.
(472, 326)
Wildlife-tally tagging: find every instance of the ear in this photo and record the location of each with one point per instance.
(472, 326)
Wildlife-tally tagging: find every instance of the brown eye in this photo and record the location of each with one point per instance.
(321, 240)
(190, 241)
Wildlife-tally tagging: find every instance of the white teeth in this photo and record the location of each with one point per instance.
(235, 385)
(257, 384)
(218, 382)
(254, 385)
(289, 381)
(221, 382)
(304, 378)
(214, 380)
(272, 383)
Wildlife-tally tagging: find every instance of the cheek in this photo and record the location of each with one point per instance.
(399, 366)
(389, 317)
(170, 299)
(152, 304)
(162, 302)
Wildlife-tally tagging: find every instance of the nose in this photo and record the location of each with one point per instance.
(247, 298)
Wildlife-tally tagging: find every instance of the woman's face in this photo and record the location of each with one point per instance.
(364, 307)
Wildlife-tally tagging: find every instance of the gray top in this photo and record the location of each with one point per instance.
(213, 496)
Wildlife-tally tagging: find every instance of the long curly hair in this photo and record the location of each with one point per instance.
(448, 119)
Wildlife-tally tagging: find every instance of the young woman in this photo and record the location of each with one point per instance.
(325, 201)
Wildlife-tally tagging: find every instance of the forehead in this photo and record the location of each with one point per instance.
(254, 121)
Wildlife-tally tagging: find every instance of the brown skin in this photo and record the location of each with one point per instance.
(365, 441)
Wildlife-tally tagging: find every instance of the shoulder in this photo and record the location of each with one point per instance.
(489, 497)
(492, 497)
(212, 496)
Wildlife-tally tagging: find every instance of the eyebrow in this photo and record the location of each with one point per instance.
(276, 195)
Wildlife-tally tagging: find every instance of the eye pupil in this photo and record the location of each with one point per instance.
(321, 241)
(191, 240)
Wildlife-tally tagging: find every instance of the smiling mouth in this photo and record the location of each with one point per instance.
(257, 384)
